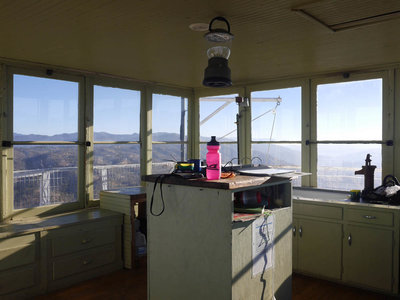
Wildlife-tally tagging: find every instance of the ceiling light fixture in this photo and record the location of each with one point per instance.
(217, 73)
(199, 26)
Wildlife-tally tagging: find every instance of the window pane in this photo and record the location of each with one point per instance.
(350, 110)
(279, 156)
(169, 118)
(165, 156)
(273, 119)
(116, 119)
(165, 167)
(116, 114)
(337, 164)
(45, 109)
(218, 117)
(228, 153)
(115, 166)
(169, 125)
(45, 175)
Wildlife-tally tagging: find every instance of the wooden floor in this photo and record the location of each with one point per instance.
(307, 288)
(132, 284)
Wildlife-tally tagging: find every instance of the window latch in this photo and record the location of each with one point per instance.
(389, 143)
(6, 144)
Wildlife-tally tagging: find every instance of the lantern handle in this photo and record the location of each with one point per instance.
(219, 19)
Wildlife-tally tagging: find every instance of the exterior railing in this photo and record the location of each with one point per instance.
(59, 185)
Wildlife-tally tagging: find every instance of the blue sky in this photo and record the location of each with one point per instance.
(220, 124)
(45, 106)
(287, 125)
(350, 111)
(116, 110)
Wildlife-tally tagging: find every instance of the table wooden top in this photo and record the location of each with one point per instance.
(237, 182)
(135, 192)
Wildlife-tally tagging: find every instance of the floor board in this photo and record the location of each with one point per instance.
(307, 288)
(132, 284)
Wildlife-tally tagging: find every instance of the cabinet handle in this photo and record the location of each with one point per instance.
(86, 262)
(369, 217)
(294, 230)
(349, 239)
(300, 231)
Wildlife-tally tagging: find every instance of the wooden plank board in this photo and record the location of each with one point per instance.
(134, 193)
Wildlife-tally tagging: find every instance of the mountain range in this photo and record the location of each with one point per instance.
(50, 156)
(29, 157)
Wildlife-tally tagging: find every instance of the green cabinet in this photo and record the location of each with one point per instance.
(58, 251)
(318, 248)
(368, 256)
(83, 251)
(207, 252)
(295, 244)
(353, 243)
(20, 265)
(370, 253)
(317, 239)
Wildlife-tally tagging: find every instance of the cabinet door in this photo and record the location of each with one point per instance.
(295, 227)
(319, 248)
(368, 256)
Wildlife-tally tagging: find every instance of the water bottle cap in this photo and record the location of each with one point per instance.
(213, 142)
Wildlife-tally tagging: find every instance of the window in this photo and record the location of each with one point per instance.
(45, 134)
(218, 118)
(45, 119)
(169, 132)
(349, 126)
(116, 126)
(276, 128)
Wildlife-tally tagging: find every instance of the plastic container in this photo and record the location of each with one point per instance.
(140, 243)
(213, 160)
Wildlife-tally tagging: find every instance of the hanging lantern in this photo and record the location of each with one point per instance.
(217, 73)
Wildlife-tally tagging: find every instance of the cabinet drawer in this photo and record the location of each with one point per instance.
(17, 251)
(320, 211)
(78, 240)
(82, 262)
(369, 216)
(13, 280)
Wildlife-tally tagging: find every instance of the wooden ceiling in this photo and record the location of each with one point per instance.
(150, 40)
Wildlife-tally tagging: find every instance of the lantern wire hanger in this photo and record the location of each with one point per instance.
(217, 73)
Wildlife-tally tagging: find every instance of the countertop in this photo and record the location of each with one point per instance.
(237, 182)
(35, 224)
(334, 197)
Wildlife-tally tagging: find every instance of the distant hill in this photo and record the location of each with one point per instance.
(64, 137)
(98, 136)
(41, 156)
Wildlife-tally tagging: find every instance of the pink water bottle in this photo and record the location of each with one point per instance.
(213, 160)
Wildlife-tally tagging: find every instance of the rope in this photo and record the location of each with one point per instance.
(272, 129)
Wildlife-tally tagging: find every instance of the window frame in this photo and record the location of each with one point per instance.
(86, 80)
(303, 84)
(7, 178)
(243, 116)
(169, 91)
(107, 83)
(387, 119)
